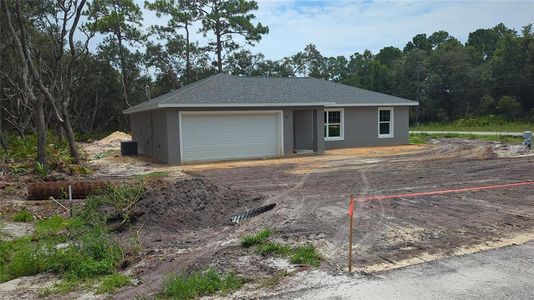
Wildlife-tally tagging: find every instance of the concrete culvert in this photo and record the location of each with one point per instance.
(252, 213)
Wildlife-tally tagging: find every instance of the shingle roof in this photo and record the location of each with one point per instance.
(223, 90)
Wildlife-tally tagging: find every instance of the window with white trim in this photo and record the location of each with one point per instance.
(385, 122)
(333, 124)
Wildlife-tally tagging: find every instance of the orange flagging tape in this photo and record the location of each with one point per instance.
(477, 188)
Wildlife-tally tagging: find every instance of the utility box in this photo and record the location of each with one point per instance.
(129, 148)
(527, 135)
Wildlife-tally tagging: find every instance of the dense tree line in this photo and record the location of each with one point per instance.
(52, 80)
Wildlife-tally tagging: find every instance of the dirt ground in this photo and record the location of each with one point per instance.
(183, 221)
(313, 200)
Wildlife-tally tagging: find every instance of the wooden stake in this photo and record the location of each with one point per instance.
(351, 213)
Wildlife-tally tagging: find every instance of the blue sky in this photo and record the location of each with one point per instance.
(342, 27)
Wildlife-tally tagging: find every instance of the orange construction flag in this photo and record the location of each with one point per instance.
(351, 205)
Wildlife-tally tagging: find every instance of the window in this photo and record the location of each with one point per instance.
(385, 122)
(333, 124)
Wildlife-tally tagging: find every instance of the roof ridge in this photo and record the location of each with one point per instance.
(360, 89)
(197, 83)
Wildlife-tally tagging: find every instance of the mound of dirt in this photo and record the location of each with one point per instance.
(115, 138)
(191, 204)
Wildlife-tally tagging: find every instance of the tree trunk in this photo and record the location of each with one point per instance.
(219, 47)
(37, 103)
(67, 128)
(187, 56)
(3, 142)
(123, 71)
(60, 134)
(41, 132)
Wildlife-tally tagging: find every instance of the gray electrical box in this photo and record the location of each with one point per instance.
(527, 135)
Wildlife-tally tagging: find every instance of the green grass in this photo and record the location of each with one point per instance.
(22, 216)
(304, 255)
(273, 248)
(113, 282)
(152, 175)
(487, 123)
(202, 283)
(64, 286)
(78, 249)
(51, 226)
(423, 138)
(256, 239)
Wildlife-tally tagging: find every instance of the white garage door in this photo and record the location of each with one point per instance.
(230, 135)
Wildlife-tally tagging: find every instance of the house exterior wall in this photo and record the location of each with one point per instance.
(149, 130)
(141, 132)
(361, 128)
(158, 135)
(173, 132)
(303, 129)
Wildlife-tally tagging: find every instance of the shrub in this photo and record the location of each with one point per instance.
(509, 107)
(78, 248)
(22, 216)
(202, 283)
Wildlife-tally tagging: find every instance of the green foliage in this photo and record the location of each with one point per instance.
(298, 255)
(273, 248)
(509, 107)
(63, 286)
(490, 123)
(152, 175)
(120, 198)
(111, 283)
(40, 169)
(22, 216)
(202, 283)
(306, 255)
(228, 18)
(251, 240)
(424, 138)
(78, 248)
(22, 154)
(51, 226)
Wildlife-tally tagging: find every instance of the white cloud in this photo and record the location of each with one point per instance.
(341, 27)
(345, 27)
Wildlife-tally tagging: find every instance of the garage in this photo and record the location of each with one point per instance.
(206, 136)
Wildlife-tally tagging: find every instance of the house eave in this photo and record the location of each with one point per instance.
(225, 105)
(370, 104)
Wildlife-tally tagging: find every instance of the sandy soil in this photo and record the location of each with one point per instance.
(313, 201)
(182, 222)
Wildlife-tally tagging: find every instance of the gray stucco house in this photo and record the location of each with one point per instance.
(225, 117)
